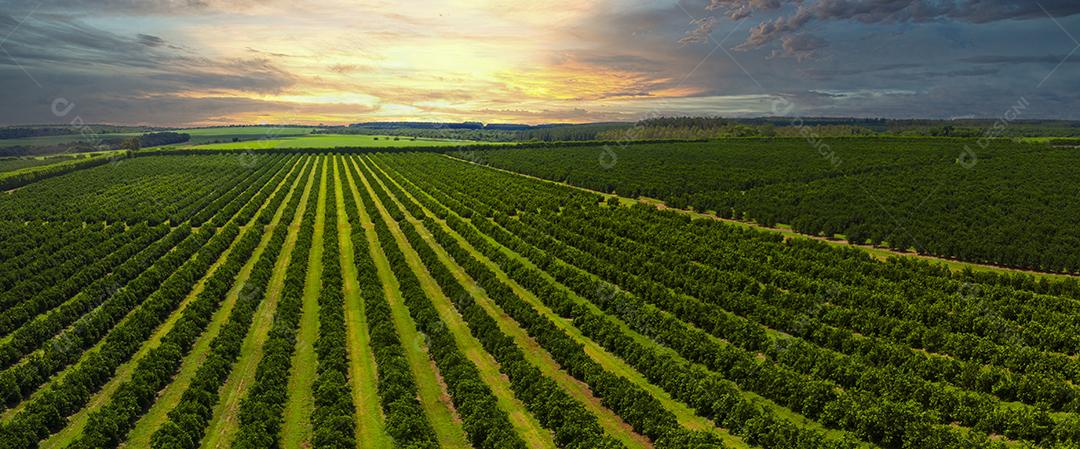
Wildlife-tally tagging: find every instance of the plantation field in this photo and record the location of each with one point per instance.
(13, 164)
(1002, 203)
(15, 173)
(417, 300)
(332, 141)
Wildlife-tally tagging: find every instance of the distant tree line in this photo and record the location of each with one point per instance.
(23, 132)
(505, 132)
(98, 143)
(720, 127)
(164, 138)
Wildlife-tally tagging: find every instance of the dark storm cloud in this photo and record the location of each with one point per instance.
(61, 43)
(882, 11)
(111, 75)
(127, 100)
(864, 67)
(950, 57)
(131, 7)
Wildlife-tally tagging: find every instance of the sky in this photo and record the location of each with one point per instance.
(211, 62)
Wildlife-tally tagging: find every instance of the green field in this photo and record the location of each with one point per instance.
(332, 141)
(411, 299)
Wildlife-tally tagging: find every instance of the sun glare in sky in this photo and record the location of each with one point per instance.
(207, 62)
(478, 60)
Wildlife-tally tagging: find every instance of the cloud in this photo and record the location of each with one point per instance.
(238, 75)
(1022, 59)
(740, 9)
(150, 40)
(350, 68)
(883, 11)
(820, 93)
(828, 74)
(800, 46)
(130, 7)
(766, 31)
(983, 11)
(269, 53)
(116, 77)
(225, 61)
(931, 74)
(899, 71)
(59, 44)
(700, 34)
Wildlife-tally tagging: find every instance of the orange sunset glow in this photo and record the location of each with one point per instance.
(457, 60)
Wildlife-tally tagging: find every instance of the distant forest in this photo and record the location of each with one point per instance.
(717, 127)
(663, 128)
(482, 132)
(97, 144)
(693, 128)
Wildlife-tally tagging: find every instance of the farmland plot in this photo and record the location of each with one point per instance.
(417, 300)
